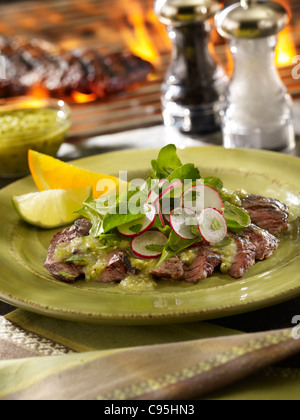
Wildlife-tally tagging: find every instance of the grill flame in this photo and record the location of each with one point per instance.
(286, 50)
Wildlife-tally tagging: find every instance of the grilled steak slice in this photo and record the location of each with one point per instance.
(244, 257)
(65, 271)
(265, 243)
(31, 63)
(125, 69)
(267, 213)
(171, 269)
(117, 269)
(110, 74)
(49, 67)
(203, 266)
(14, 69)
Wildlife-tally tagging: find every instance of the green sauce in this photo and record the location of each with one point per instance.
(188, 256)
(20, 130)
(92, 256)
(89, 253)
(86, 252)
(234, 197)
(227, 253)
(138, 283)
(142, 281)
(19, 122)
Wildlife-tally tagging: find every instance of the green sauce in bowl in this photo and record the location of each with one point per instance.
(38, 125)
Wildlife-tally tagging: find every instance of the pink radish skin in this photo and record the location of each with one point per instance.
(153, 197)
(158, 208)
(210, 198)
(147, 222)
(139, 244)
(171, 187)
(205, 220)
(162, 196)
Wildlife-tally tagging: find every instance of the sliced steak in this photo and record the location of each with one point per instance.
(265, 243)
(203, 266)
(66, 272)
(267, 213)
(171, 269)
(117, 269)
(244, 258)
(31, 63)
(111, 73)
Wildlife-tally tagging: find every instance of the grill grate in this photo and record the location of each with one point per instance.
(112, 26)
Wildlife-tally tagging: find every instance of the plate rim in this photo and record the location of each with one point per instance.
(149, 318)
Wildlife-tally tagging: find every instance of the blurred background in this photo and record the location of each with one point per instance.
(123, 25)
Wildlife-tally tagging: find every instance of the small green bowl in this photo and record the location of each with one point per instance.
(28, 123)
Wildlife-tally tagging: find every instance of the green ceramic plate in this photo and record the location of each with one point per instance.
(25, 283)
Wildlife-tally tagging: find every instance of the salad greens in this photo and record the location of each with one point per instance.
(108, 213)
(176, 245)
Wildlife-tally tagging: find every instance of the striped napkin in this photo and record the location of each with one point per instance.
(47, 359)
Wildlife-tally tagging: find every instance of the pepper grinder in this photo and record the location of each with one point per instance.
(194, 82)
(257, 111)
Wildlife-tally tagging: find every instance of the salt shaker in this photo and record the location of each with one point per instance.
(194, 81)
(257, 111)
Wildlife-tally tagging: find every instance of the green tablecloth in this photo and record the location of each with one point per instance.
(47, 359)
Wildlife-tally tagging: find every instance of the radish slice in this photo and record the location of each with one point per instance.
(167, 218)
(200, 197)
(212, 226)
(162, 201)
(181, 221)
(155, 192)
(170, 197)
(176, 187)
(139, 226)
(149, 245)
(160, 215)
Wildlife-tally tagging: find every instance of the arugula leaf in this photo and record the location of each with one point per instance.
(154, 248)
(136, 228)
(122, 211)
(111, 221)
(175, 245)
(236, 217)
(185, 173)
(77, 259)
(94, 211)
(110, 240)
(227, 241)
(166, 230)
(68, 275)
(214, 182)
(166, 162)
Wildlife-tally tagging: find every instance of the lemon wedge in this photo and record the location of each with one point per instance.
(50, 173)
(52, 208)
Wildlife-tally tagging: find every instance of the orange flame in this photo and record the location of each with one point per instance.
(286, 50)
(139, 39)
(81, 98)
(39, 92)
